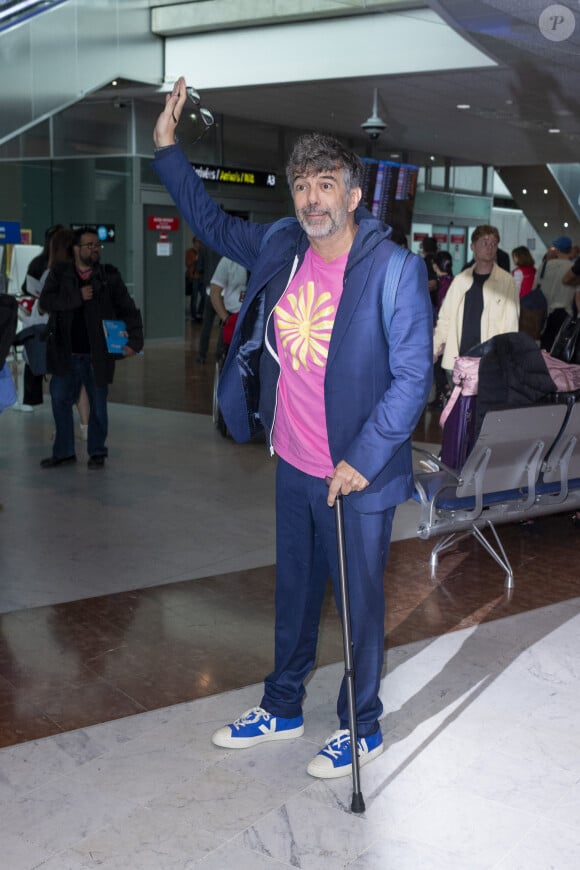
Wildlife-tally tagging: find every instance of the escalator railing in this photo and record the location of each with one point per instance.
(13, 12)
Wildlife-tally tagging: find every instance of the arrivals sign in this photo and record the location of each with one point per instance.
(235, 176)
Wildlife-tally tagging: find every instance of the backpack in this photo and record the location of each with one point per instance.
(566, 345)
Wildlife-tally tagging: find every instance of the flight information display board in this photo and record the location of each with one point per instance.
(389, 191)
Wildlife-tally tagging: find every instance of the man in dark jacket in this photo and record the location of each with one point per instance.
(338, 386)
(78, 297)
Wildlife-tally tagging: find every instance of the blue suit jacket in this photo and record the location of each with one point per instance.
(375, 389)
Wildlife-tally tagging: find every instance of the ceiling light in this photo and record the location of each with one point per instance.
(463, 106)
(554, 130)
(433, 158)
(566, 224)
(524, 190)
(114, 83)
(546, 191)
(545, 223)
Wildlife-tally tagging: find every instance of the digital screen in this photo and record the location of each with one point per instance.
(389, 191)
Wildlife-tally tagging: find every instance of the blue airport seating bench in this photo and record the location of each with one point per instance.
(524, 464)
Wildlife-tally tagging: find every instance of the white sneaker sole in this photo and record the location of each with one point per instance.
(223, 737)
(322, 767)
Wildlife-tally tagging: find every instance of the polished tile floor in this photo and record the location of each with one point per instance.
(136, 616)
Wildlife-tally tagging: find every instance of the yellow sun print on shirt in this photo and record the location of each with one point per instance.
(305, 331)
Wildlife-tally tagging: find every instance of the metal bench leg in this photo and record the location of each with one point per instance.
(443, 544)
(502, 560)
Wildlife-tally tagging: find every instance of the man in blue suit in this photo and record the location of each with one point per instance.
(338, 384)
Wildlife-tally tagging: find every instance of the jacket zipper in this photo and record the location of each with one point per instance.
(272, 351)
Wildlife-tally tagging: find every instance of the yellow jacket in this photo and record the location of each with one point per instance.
(501, 311)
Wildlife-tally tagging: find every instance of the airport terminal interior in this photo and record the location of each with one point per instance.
(137, 601)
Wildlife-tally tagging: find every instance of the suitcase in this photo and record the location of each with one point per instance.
(459, 432)
(459, 415)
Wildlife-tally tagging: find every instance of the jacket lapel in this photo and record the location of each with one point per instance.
(355, 280)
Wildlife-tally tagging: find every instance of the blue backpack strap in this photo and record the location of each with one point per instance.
(391, 285)
(273, 228)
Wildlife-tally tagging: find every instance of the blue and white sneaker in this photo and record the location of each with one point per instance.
(257, 726)
(335, 758)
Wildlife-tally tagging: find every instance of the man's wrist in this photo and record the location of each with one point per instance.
(167, 145)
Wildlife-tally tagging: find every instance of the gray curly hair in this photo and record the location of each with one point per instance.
(316, 152)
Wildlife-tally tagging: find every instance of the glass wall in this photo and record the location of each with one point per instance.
(96, 190)
(567, 176)
(476, 180)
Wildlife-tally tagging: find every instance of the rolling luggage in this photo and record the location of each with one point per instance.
(507, 371)
(459, 432)
(459, 415)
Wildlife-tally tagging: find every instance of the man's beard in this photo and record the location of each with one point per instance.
(333, 223)
(90, 260)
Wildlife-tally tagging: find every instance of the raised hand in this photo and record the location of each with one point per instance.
(164, 131)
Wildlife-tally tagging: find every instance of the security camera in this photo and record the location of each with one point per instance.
(374, 126)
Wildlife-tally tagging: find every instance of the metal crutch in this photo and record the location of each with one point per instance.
(358, 804)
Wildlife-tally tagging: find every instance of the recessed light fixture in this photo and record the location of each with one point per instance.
(114, 83)
(524, 190)
(463, 106)
(432, 157)
(545, 223)
(546, 191)
(566, 224)
(554, 130)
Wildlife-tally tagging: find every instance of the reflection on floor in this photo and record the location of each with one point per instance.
(136, 613)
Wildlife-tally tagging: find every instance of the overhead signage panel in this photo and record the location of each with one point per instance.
(235, 175)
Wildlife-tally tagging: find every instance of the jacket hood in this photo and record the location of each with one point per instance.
(371, 232)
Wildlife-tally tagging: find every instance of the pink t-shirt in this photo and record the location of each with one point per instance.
(303, 321)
